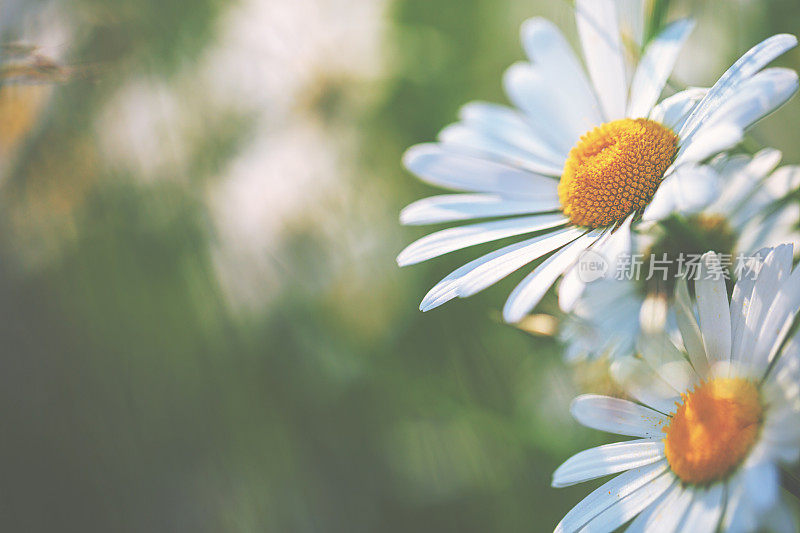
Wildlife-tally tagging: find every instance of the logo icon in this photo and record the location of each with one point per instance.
(591, 266)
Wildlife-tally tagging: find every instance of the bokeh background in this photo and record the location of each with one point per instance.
(202, 325)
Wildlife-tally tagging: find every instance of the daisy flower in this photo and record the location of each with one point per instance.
(749, 213)
(580, 158)
(713, 424)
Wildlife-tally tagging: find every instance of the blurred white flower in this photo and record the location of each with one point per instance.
(278, 62)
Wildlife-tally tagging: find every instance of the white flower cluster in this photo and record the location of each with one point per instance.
(595, 163)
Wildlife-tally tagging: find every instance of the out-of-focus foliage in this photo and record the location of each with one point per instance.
(203, 328)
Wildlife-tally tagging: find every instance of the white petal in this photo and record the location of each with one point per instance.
(776, 228)
(667, 361)
(451, 239)
(686, 190)
(530, 290)
(745, 67)
(762, 484)
(655, 67)
(613, 492)
(456, 207)
(710, 140)
(628, 507)
(610, 247)
(740, 517)
(778, 319)
(492, 267)
(548, 109)
(757, 97)
(775, 269)
(511, 127)
(673, 111)
(666, 514)
(600, 38)
(550, 52)
(741, 297)
(437, 165)
(644, 384)
(785, 180)
(631, 20)
(654, 312)
(706, 509)
(607, 459)
(478, 141)
(570, 289)
(743, 177)
(712, 303)
(619, 416)
(690, 330)
(606, 318)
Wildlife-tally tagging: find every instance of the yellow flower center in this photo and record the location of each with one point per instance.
(615, 170)
(713, 430)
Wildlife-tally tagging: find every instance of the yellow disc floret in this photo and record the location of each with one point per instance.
(713, 430)
(615, 170)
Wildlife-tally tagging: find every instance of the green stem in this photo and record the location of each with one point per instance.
(657, 19)
(791, 482)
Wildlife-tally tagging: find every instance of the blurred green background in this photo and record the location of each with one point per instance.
(203, 327)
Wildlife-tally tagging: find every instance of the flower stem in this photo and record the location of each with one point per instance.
(790, 480)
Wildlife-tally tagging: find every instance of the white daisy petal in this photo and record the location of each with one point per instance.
(600, 38)
(740, 299)
(638, 380)
(785, 180)
(631, 20)
(673, 111)
(451, 239)
(777, 228)
(570, 289)
(492, 267)
(776, 268)
(710, 140)
(655, 67)
(778, 319)
(619, 416)
(478, 141)
(615, 491)
(740, 517)
(628, 507)
(758, 97)
(546, 107)
(530, 290)
(437, 165)
(762, 484)
(666, 514)
(654, 313)
(550, 52)
(712, 303)
(610, 248)
(607, 459)
(787, 369)
(456, 207)
(511, 127)
(706, 509)
(743, 197)
(667, 361)
(687, 190)
(749, 64)
(690, 330)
